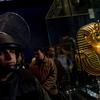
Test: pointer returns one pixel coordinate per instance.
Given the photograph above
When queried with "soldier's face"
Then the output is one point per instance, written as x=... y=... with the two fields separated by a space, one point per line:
x=39 y=55
x=8 y=57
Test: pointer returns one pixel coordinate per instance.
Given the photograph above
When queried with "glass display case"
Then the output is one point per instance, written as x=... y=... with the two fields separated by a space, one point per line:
x=64 y=20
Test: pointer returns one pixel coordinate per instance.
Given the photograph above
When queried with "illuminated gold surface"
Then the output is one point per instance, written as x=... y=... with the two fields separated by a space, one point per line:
x=88 y=48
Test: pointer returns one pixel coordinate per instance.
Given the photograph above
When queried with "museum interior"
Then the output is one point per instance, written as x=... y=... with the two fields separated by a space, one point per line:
x=70 y=23
x=73 y=25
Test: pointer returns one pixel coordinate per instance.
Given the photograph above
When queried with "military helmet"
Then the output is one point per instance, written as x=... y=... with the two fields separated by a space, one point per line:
x=7 y=41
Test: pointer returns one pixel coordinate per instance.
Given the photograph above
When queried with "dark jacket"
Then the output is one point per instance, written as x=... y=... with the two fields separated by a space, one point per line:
x=22 y=85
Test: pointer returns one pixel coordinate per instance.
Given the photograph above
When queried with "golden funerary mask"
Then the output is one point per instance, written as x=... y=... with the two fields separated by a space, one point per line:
x=88 y=48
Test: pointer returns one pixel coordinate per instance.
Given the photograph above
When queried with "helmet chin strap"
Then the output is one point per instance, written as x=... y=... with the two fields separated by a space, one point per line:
x=5 y=70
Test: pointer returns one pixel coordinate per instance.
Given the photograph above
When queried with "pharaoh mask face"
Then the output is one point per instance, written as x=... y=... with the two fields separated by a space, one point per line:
x=94 y=37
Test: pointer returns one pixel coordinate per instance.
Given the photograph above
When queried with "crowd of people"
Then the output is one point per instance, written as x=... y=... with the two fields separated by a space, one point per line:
x=52 y=68
x=41 y=79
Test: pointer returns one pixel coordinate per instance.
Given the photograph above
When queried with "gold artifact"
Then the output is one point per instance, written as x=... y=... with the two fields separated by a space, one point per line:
x=88 y=48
